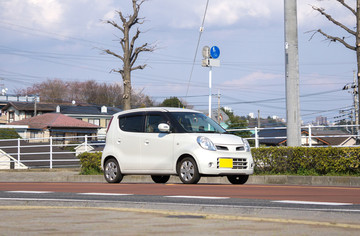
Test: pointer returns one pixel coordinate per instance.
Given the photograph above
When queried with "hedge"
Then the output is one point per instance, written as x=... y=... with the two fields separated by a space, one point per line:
x=8 y=133
x=90 y=163
x=278 y=160
x=307 y=161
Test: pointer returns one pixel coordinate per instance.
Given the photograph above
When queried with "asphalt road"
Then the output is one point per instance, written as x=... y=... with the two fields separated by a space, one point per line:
x=177 y=209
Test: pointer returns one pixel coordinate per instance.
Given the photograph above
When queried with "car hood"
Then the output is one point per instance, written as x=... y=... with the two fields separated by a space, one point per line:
x=224 y=139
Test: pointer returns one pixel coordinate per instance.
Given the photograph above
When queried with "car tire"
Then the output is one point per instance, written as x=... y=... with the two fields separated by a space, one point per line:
x=112 y=171
x=238 y=179
x=188 y=171
x=160 y=179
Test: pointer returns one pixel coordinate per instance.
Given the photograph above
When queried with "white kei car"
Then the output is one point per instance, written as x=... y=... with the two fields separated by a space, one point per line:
x=172 y=141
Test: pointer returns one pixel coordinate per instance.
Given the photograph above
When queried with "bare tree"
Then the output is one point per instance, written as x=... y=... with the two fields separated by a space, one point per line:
x=91 y=92
x=130 y=52
x=354 y=32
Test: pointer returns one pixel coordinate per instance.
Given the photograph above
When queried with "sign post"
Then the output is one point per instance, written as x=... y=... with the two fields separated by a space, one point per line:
x=210 y=56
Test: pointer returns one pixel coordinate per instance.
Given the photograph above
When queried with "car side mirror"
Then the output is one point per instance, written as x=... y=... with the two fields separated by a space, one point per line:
x=164 y=128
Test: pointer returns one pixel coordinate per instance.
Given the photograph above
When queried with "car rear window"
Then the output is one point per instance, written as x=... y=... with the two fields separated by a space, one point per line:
x=132 y=123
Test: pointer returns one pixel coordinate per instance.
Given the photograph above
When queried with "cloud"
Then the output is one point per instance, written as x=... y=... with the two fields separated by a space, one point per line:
x=255 y=78
x=220 y=13
x=38 y=13
x=60 y=17
x=228 y=12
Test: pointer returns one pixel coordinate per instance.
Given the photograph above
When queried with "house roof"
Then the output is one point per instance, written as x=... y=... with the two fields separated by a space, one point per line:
x=272 y=133
x=54 y=120
x=329 y=140
x=64 y=109
x=88 y=110
x=29 y=106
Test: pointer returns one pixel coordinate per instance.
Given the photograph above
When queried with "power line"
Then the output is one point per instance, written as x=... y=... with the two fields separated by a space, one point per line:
x=197 y=46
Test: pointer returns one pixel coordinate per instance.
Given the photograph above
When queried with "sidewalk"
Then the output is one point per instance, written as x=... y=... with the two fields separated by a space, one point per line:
x=72 y=175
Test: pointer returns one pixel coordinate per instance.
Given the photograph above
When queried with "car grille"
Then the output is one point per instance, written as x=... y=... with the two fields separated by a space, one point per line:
x=225 y=148
x=238 y=163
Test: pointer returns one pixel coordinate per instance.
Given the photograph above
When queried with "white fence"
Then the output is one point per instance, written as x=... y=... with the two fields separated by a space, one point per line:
x=309 y=134
x=60 y=152
x=52 y=152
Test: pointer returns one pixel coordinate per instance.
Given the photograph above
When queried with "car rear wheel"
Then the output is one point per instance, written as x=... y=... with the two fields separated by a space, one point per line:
x=188 y=171
x=160 y=179
x=238 y=179
x=112 y=171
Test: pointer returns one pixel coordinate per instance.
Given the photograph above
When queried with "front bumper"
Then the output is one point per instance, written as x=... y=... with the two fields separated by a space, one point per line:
x=224 y=163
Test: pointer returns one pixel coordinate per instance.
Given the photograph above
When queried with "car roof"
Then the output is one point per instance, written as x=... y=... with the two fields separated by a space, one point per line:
x=161 y=109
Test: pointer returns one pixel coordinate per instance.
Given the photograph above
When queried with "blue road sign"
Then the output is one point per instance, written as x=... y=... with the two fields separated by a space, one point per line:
x=214 y=52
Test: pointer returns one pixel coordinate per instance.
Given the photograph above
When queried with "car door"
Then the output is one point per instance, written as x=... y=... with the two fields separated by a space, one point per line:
x=128 y=142
x=157 y=148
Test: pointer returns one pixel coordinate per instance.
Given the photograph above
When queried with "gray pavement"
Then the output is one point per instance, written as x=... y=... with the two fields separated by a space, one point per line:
x=72 y=175
x=47 y=220
x=89 y=218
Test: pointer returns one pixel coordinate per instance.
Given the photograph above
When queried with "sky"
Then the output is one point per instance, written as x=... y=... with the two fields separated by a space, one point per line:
x=64 y=39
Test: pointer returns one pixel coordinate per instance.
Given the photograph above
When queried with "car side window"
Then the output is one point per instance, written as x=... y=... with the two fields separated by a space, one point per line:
x=152 y=122
x=132 y=123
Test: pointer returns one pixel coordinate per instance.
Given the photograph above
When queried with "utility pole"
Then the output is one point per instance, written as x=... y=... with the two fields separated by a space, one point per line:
x=358 y=65
x=292 y=74
x=356 y=103
x=258 y=119
x=210 y=95
x=35 y=101
x=218 y=110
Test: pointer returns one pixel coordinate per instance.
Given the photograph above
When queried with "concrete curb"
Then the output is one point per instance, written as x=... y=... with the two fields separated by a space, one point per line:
x=72 y=175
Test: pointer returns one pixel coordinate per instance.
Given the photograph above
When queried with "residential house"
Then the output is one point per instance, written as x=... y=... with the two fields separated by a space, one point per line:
x=56 y=125
x=15 y=111
x=6 y=98
x=97 y=115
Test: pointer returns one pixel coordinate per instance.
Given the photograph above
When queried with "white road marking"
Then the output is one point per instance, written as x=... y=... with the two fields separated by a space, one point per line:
x=107 y=194
x=37 y=192
x=197 y=197
x=315 y=203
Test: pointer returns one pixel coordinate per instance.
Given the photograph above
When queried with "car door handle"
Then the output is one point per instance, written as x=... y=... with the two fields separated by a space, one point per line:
x=147 y=142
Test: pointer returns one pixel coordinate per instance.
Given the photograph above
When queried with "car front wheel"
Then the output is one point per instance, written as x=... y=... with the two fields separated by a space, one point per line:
x=188 y=171
x=112 y=171
x=238 y=179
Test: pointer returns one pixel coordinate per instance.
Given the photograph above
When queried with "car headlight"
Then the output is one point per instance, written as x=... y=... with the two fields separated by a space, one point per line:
x=206 y=143
x=246 y=145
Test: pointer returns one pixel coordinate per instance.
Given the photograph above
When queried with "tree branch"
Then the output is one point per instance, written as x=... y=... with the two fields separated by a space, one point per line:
x=141 y=67
x=113 y=23
x=143 y=48
x=114 y=54
x=133 y=41
x=329 y=17
x=334 y=39
x=134 y=18
x=347 y=6
x=118 y=71
x=122 y=18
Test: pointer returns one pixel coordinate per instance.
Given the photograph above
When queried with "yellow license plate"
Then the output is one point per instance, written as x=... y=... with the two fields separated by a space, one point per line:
x=226 y=163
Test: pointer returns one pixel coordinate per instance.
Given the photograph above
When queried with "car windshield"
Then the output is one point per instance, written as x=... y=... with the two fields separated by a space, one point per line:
x=194 y=122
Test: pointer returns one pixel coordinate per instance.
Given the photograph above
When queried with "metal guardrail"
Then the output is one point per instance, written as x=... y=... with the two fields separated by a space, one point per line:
x=49 y=152
x=309 y=128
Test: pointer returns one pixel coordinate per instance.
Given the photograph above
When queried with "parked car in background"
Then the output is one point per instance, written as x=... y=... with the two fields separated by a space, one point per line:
x=172 y=141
